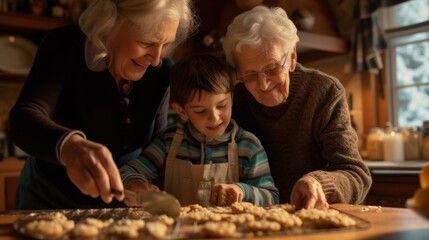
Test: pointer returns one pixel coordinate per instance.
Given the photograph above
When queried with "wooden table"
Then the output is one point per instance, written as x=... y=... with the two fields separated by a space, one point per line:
x=385 y=223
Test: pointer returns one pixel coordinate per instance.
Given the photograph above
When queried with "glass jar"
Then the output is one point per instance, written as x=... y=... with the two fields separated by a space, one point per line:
x=412 y=143
x=374 y=144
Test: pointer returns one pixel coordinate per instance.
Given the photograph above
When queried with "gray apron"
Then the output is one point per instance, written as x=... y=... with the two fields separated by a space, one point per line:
x=191 y=183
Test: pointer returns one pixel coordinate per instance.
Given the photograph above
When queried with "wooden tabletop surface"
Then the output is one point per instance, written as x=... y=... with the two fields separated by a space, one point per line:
x=377 y=223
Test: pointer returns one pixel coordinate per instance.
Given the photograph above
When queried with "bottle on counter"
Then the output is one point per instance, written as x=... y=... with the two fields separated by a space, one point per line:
x=413 y=138
x=2 y=145
x=393 y=145
x=425 y=144
x=374 y=144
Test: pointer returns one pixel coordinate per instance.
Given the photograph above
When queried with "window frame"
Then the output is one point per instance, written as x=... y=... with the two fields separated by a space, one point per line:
x=393 y=89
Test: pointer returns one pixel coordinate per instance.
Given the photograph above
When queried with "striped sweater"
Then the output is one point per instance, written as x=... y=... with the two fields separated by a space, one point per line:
x=254 y=172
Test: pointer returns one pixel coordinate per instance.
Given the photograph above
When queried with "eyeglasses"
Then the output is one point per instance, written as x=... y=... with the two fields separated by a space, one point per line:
x=271 y=71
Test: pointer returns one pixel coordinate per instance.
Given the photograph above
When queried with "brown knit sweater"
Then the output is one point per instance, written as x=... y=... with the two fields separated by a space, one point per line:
x=309 y=134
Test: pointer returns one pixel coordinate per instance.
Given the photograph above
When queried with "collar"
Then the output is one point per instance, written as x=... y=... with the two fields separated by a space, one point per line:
x=226 y=136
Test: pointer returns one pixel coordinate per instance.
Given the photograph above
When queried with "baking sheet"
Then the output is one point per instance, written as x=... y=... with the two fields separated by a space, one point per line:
x=181 y=229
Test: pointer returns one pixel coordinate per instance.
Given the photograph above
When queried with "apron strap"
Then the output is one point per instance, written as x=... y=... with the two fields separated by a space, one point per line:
x=233 y=154
x=175 y=145
x=177 y=140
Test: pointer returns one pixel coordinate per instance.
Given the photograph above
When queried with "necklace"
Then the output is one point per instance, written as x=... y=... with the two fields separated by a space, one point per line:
x=126 y=88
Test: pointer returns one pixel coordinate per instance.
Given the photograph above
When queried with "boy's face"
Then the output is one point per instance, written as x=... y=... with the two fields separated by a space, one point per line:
x=209 y=113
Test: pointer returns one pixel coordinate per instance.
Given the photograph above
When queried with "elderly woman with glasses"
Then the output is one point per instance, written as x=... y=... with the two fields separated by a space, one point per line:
x=299 y=114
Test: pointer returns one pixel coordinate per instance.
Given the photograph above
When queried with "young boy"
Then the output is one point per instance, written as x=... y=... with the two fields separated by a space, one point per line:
x=208 y=159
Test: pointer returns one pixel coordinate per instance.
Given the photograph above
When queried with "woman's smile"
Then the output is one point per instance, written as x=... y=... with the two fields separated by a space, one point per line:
x=138 y=64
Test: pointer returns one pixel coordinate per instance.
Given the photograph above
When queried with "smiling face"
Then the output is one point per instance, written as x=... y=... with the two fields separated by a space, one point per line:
x=131 y=54
x=270 y=90
x=209 y=113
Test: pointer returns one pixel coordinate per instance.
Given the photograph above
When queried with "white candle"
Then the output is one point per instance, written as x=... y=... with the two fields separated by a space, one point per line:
x=393 y=146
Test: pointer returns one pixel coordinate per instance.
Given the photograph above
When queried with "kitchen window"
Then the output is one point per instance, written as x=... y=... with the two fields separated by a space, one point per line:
x=407 y=33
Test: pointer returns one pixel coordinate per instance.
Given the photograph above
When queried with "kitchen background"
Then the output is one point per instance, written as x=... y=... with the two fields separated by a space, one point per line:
x=326 y=30
x=386 y=80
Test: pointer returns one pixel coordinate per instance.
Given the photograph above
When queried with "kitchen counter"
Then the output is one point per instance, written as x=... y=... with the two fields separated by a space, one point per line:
x=396 y=167
x=384 y=223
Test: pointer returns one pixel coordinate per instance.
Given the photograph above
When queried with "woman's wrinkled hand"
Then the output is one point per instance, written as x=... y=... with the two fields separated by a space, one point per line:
x=91 y=168
x=308 y=193
x=137 y=186
x=223 y=194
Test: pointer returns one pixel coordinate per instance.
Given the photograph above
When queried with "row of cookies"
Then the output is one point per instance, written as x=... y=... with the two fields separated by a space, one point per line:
x=246 y=219
x=57 y=225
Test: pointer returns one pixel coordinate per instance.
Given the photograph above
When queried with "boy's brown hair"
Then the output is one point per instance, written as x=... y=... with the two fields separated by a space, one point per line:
x=197 y=73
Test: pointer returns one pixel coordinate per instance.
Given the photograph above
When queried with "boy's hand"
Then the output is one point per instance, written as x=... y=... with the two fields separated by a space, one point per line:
x=223 y=194
x=137 y=186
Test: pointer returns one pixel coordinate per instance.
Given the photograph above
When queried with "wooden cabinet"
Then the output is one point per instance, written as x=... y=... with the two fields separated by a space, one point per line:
x=393 y=183
x=10 y=169
x=392 y=188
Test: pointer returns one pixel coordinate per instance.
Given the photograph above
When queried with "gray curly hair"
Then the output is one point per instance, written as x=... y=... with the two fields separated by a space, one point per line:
x=102 y=18
x=260 y=27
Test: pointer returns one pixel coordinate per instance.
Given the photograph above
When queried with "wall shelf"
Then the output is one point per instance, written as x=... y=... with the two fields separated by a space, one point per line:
x=12 y=78
x=13 y=20
x=314 y=46
x=314 y=41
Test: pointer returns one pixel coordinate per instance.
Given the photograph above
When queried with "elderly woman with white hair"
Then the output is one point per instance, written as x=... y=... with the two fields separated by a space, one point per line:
x=299 y=114
x=96 y=94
